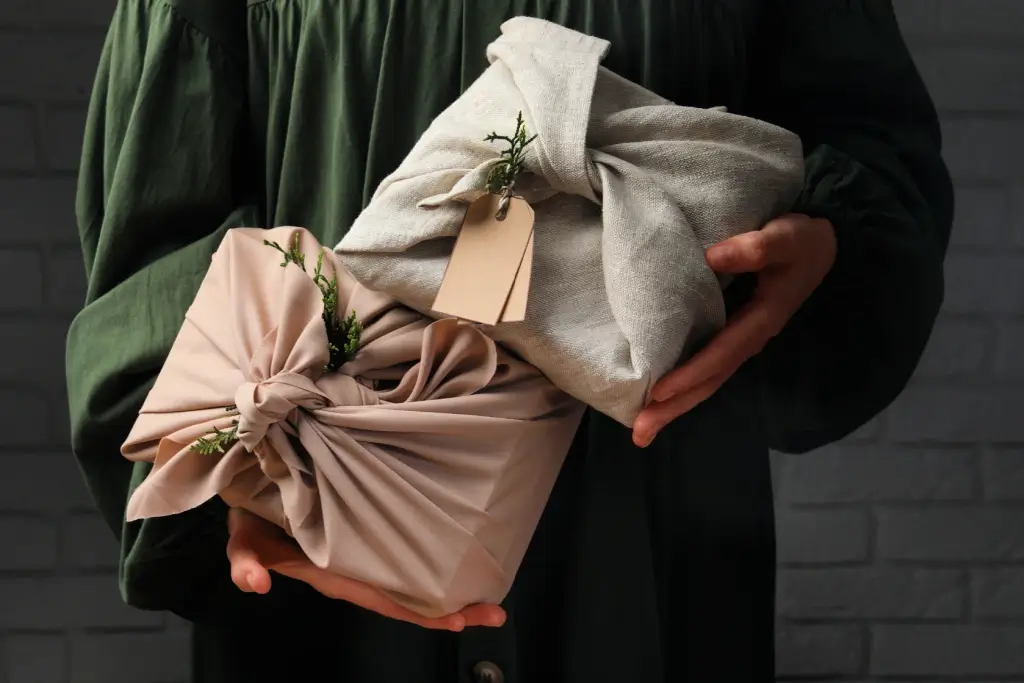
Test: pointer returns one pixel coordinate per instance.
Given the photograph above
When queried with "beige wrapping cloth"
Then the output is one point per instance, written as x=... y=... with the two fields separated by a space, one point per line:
x=428 y=486
x=628 y=190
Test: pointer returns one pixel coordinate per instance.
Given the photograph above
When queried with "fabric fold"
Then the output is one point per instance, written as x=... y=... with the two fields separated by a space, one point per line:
x=420 y=465
x=628 y=191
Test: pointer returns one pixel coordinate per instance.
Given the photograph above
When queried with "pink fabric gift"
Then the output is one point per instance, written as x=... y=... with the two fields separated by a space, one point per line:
x=420 y=466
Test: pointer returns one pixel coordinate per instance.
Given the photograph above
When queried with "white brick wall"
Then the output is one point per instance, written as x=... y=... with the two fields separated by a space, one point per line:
x=902 y=550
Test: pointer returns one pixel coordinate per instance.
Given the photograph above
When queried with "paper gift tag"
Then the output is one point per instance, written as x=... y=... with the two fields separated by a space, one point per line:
x=488 y=274
x=515 y=307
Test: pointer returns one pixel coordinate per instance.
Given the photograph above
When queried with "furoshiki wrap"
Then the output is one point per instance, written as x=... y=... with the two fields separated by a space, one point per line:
x=420 y=465
x=628 y=191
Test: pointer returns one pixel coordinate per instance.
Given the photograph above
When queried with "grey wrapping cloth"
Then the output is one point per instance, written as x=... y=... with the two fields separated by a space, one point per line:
x=628 y=191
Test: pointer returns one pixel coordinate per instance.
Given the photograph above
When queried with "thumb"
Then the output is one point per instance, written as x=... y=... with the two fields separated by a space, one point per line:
x=247 y=572
x=751 y=252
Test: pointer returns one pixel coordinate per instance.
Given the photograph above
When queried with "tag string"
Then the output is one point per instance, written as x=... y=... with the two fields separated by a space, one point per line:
x=503 y=204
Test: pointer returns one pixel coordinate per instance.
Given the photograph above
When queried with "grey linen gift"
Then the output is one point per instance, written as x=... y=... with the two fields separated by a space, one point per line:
x=628 y=190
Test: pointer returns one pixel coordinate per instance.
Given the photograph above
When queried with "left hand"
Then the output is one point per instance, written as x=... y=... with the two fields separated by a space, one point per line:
x=791 y=256
x=256 y=548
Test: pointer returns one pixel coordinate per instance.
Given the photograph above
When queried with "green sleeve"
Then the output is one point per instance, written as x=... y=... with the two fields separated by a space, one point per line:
x=839 y=74
x=159 y=183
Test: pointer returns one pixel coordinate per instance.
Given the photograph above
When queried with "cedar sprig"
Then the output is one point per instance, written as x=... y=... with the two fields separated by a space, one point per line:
x=220 y=440
x=503 y=175
x=342 y=335
x=293 y=255
x=346 y=333
x=342 y=338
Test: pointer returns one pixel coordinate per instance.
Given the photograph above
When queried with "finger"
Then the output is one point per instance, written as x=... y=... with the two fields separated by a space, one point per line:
x=370 y=598
x=270 y=544
x=745 y=335
x=366 y=596
x=247 y=572
x=484 y=615
x=751 y=252
x=236 y=518
x=383 y=605
x=654 y=417
x=451 y=622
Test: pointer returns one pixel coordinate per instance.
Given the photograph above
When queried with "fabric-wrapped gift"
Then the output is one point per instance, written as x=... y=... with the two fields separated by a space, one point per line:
x=412 y=454
x=628 y=191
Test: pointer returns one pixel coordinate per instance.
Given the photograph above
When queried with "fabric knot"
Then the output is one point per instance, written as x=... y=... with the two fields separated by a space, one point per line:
x=274 y=400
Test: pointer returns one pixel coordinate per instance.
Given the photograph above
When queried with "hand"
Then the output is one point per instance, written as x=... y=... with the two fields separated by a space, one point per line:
x=257 y=547
x=791 y=256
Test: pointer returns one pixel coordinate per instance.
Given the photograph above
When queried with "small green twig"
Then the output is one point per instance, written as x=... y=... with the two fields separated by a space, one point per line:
x=218 y=442
x=342 y=338
x=342 y=335
x=293 y=255
x=503 y=175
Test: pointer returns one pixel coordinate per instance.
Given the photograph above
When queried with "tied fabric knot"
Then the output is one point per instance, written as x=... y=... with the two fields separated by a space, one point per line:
x=272 y=401
x=555 y=72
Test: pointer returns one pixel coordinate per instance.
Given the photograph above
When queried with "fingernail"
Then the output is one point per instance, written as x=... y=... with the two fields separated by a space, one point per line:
x=643 y=440
x=496 y=620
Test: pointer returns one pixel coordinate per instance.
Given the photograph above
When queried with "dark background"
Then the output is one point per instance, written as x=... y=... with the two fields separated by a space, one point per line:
x=902 y=549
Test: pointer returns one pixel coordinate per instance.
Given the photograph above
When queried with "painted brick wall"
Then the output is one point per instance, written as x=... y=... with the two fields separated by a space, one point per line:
x=902 y=549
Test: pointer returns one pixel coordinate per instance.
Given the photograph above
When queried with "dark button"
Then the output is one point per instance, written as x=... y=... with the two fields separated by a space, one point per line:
x=488 y=672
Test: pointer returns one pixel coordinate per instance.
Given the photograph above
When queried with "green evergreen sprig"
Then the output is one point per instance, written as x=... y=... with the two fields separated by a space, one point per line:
x=342 y=338
x=503 y=175
x=342 y=335
x=220 y=441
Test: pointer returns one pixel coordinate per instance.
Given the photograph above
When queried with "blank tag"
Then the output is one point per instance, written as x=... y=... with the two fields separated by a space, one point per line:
x=515 y=307
x=488 y=274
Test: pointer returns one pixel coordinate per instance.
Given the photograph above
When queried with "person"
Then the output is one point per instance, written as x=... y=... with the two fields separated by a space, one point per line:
x=655 y=558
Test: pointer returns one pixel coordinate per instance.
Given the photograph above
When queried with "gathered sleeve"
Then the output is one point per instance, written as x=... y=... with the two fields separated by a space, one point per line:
x=838 y=73
x=160 y=182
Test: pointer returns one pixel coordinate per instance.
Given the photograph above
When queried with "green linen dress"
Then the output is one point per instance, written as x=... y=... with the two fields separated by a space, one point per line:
x=654 y=565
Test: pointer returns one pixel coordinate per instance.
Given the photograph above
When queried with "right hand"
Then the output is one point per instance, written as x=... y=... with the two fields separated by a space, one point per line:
x=257 y=547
